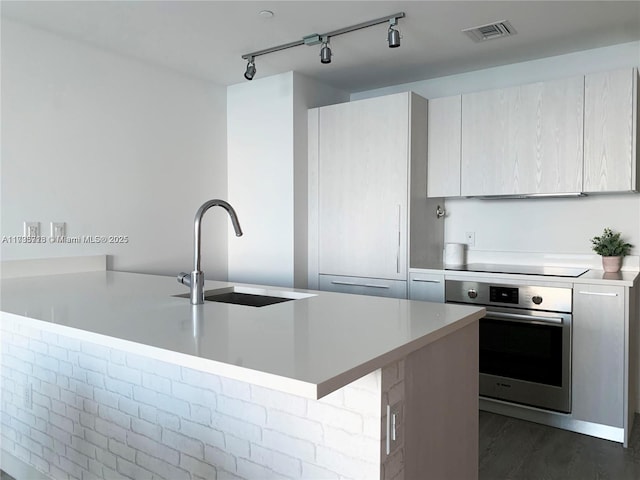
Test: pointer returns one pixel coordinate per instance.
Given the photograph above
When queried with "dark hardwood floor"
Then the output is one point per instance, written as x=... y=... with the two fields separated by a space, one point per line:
x=512 y=449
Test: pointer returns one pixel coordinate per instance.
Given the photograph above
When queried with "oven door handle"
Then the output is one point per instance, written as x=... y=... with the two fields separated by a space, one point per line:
x=518 y=317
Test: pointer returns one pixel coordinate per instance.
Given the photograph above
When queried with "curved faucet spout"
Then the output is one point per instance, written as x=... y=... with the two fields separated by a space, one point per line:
x=197 y=228
x=195 y=280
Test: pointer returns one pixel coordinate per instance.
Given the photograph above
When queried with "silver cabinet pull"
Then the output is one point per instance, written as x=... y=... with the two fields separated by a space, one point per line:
x=523 y=318
x=424 y=280
x=399 y=235
x=599 y=294
x=353 y=284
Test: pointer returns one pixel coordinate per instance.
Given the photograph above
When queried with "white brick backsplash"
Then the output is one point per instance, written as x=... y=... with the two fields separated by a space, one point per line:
x=151 y=447
x=193 y=394
x=249 y=469
x=238 y=447
x=349 y=467
x=148 y=429
x=125 y=374
x=275 y=400
x=94 y=364
x=220 y=458
x=304 y=449
x=114 y=416
x=334 y=416
x=101 y=413
x=161 y=467
x=249 y=412
x=201 y=414
x=111 y=430
x=276 y=461
x=197 y=467
x=184 y=444
x=122 y=450
x=207 y=435
x=235 y=388
x=313 y=472
x=94 y=350
x=156 y=382
x=202 y=379
x=295 y=426
x=133 y=471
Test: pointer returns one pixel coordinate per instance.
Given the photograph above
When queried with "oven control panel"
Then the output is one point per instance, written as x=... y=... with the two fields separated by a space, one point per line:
x=530 y=297
x=503 y=294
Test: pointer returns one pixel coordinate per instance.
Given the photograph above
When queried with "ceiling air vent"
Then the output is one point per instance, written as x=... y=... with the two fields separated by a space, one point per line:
x=490 y=31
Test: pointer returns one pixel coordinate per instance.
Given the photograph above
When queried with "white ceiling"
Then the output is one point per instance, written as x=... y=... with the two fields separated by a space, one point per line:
x=207 y=38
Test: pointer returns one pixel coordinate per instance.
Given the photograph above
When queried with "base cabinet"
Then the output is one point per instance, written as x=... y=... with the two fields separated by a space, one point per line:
x=427 y=287
x=600 y=359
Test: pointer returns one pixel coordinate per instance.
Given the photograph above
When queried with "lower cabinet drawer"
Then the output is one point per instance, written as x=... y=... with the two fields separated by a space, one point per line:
x=364 y=286
x=428 y=287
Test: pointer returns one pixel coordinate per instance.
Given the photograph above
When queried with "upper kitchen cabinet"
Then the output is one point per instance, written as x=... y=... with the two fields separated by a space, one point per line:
x=444 y=123
x=610 y=131
x=367 y=183
x=523 y=140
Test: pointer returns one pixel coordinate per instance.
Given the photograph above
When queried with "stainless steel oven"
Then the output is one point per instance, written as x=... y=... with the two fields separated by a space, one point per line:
x=525 y=341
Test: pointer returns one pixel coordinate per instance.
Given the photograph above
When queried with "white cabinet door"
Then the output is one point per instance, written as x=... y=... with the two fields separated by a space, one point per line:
x=598 y=362
x=363 y=151
x=444 y=146
x=428 y=287
x=610 y=131
x=523 y=140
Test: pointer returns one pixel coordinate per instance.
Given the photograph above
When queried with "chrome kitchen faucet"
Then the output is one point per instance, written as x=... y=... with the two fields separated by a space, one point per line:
x=195 y=280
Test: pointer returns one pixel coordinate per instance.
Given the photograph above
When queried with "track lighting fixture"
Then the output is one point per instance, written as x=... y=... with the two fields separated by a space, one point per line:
x=251 y=69
x=393 y=38
x=325 y=52
x=393 y=35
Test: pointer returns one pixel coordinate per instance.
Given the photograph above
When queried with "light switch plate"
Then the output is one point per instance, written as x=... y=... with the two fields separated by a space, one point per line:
x=58 y=229
x=31 y=229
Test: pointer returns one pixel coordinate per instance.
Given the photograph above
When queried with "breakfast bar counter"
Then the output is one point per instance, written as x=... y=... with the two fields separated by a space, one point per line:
x=136 y=379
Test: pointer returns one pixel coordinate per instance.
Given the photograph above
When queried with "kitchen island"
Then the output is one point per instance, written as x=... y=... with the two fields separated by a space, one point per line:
x=110 y=375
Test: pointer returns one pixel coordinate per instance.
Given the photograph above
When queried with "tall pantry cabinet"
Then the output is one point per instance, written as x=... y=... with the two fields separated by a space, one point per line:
x=367 y=195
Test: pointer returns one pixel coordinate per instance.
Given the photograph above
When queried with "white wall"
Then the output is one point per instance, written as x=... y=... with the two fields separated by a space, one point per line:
x=267 y=156
x=540 y=225
x=111 y=146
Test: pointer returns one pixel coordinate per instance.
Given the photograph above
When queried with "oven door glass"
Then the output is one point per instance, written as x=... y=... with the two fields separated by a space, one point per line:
x=522 y=351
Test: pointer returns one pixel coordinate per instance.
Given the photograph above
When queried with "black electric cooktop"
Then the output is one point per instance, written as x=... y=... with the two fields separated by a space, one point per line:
x=572 y=272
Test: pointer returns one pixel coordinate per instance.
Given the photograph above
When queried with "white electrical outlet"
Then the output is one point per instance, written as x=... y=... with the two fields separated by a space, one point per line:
x=58 y=229
x=470 y=238
x=31 y=229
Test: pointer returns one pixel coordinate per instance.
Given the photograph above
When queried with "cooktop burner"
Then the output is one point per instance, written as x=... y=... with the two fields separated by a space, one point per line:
x=519 y=269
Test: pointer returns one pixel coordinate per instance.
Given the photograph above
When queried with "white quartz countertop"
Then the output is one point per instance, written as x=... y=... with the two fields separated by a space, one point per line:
x=310 y=346
x=593 y=277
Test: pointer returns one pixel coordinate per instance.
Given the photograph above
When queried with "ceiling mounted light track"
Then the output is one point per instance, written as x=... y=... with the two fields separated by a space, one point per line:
x=393 y=38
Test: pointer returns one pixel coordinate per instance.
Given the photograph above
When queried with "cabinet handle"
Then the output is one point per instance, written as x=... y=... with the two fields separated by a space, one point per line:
x=353 y=284
x=424 y=280
x=599 y=294
x=398 y=250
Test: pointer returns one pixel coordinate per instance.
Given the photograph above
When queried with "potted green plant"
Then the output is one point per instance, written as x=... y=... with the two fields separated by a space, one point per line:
x=612 y=248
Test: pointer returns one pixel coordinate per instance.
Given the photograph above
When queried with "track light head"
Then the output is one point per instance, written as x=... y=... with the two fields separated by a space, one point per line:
x=251 y=69
x=393 y=37
x=325 y=52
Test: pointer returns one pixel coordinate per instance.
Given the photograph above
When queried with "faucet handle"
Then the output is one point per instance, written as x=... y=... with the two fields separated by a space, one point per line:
x=184 y=278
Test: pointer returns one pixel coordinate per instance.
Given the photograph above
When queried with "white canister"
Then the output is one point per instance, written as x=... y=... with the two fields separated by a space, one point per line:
x=454 y=254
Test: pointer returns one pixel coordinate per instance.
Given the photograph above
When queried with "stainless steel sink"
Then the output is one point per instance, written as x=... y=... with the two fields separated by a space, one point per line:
x=250 y=296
